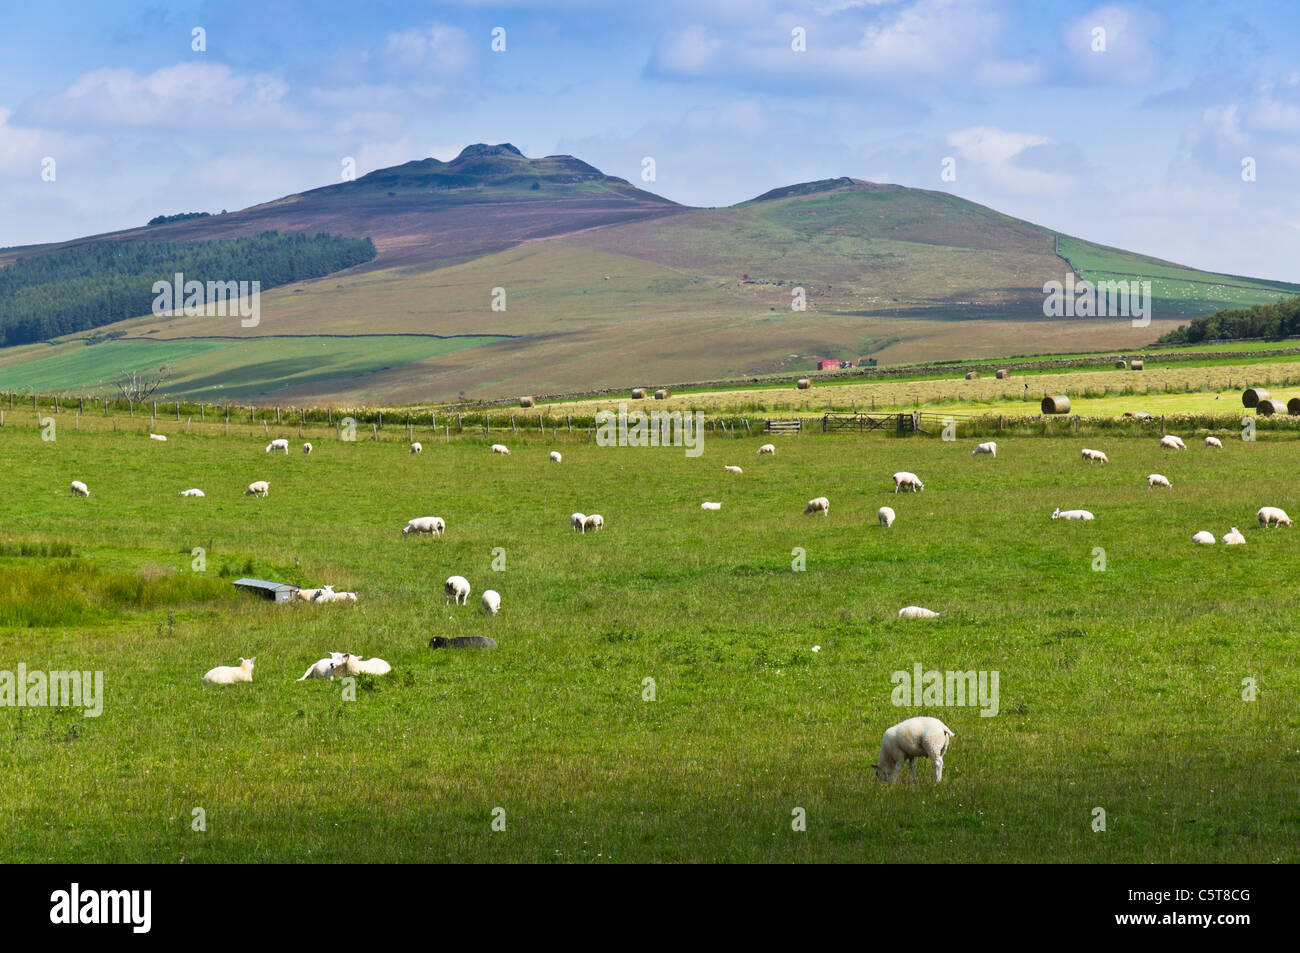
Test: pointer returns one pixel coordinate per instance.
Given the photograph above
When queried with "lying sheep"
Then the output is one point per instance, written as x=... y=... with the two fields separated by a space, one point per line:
x=1214 y=442
x=919 y=737
x=1155 y=479
x=818 y=504
x=324 y=668
x=79 y=489
x=594 y=521
x=1060 y=514
x=279 y=443
x=230 y=674
x=579 y=522
x=491 y=602
x=345 y=597
x=355 y=665
x=990 y=448
x=417 y=447
x=910 y=480
x=462 y=642
x=710 y=506
x=1205 y=537
x=732 y=470
x=885 y=516
x=767 y=448
x=457 y=587
x=259 y=488
x=500 y=448
x=1233 y=538
x=1268 y=515
x=193 y=491
x=306 y=448
x=1094 y=456
x=425 y=524
x=555 y=456
x=1170 y=442
x=916 y=612
x=158 y=436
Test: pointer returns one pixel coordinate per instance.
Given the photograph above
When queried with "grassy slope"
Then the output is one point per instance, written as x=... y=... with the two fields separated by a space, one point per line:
x=1113 y=695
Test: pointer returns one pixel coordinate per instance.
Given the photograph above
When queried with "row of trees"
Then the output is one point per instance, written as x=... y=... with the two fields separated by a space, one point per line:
x=1267 y=321
x=179 y=217
x=62 y=292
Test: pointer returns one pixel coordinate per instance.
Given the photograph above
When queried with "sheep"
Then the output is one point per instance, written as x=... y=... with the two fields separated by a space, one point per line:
x=324 y=594
x=916 y=612
x=1213 y=442
x=230 y=674
x=491 y=602
x=1204 y=536
x=425 y=524
x=732 y=470
x=594 y=521
x=462 y=642
x=279 y=443
x=920 y=737
x=324 y=668
x=990 y=448
x=355 y=665
x=79 y=489
x=1155 y=479
x=1268 y=515
x=457 y=587
x=885 y=516
x=910 y=480
x=193 y=491
x=306 y=448
x=158 y=436
x=308 y=595
x=579 y=522
x=1233 y=538
x=767 y=448
x=556 y=456
x=818 y=505
x=345 y=597
x=417 y=447
x=1060 y=514
x=258 y=488
x=1094 y=456
x=1170 y=442
x=710 y=506
x=500 y=448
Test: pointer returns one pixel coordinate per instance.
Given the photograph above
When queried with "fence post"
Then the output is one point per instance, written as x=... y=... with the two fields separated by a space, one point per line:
x=374 y=432
x=448 y=435
x=188 y=421
x=277 y=416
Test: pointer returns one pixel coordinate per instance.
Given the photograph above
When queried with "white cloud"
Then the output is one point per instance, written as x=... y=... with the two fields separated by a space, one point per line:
x=686 y=52
x=1113 y=44
x=443 y=50
x=994 y=153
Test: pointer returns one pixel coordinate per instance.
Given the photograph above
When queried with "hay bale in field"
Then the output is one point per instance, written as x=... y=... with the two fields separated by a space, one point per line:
x=661 y=393
x=1003 y=374
x=1121 y=365
x=803 y=383
x=1056 y=404
x=1270 y=406
x=1135 y=365
x=638 y=393
x=1293 y=406
x=1251 y=396
x=525 y=402
x=972 y=375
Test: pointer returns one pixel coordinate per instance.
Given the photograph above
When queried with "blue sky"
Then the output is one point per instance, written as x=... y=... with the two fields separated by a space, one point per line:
x=1139 y=144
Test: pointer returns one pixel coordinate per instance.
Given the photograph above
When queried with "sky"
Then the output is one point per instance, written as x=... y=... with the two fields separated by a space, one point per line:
x=1171 y=129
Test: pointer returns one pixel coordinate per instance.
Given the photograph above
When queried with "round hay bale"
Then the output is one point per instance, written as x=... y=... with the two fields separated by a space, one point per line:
x=661 y=393
x=804 y=383
x=1253 y=395
x=1121 y=365
x=1057 y=404
x=638 y=393
x=1135 y=365
x=1270 y=406
x=1293 y=406
x=525 y=402
x=972 y=375
x=1003 y=374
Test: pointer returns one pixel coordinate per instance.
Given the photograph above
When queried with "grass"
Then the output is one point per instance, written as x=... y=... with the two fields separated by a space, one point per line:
x=1120 y=689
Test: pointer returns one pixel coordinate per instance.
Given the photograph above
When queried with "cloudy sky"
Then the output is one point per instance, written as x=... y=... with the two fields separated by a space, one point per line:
x=1125 y=123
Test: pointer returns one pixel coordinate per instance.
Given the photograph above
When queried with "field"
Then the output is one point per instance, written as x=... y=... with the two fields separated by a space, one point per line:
x=1120 y=689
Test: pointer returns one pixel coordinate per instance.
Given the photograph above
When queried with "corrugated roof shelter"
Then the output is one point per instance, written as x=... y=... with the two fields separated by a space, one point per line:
x=276 y=591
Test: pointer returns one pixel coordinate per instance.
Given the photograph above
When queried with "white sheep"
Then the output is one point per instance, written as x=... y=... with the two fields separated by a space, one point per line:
x=306 y=448
x=556 y=457
x=1272 y=515
x=767 y=448
x=920 y=737
x=594 y=521
x=910 y=480
x=308 y=595
x=885 y=516
x=355 y=665
x=1205 y=537
x=818 y=504
x=193 y=491
x=230 y=674
x=579 y=522
x=279 y=443
x=491 y=602
x=1233 y=538
x=1214 y=442
x=916 y=612
x=1060 y=514
x=1155 y=479
x=457 y=587
x=425 y=524
x=732 y=470
x=1094 y=456
x=158 y=436
x=324 y=594
x=79 y=489
x=417 y=447
x=258 y=488
x=500 y=448
x=710 y=506
x=1170 y=442
x=990 y=448
x=324 y=668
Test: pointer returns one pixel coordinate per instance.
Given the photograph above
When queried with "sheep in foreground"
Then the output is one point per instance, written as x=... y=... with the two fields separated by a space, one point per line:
x=732 y=470
x=594 y=521
x=556 y=457
x=457 y=587
x=916 y=612
x=323 y=594
x=279 y=443
x=500 y=448
x=258 y=488
x=1094 y=456
x=990 y=448
x=1155 y=479
x=491 y=602
x=767 y=448
x=306 y=448
x=425 y=524
x=920 y=737
x=1205 y=537
x=1170 y=442
x=230 y=674
x=1060 y=514
x=79 y=489
x=1270 y=515
x=462 y=642
x=885 y=516
x=324 y=668
x=417 y=447
x=710 y=506
x=910 y=480
x=355 y=665
x=579 y=522
x=818 y=504
x=1214 y=442
x=193 y=491
x=158 y=436
x=1234 y=538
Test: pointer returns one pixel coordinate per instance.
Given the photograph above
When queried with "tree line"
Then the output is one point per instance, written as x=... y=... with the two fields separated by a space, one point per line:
x=1267 y=321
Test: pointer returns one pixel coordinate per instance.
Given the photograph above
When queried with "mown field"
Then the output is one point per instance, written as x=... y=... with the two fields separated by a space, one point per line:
x=1120 y=689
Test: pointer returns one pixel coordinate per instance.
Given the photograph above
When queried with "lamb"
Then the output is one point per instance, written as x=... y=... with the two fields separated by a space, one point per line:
x=500 y=448
x=818 y=505
x=710 y=506
x=556 y=457
x=1170 y=442
x=594 y=521
x=920 y=737
x=1155 y=479
x=1233 y=538
x=579 y=522
x=306 y=448
x=767 y=448
x=910 y=480
x=193 y=491
x=355 y=665
x=1268 y=515
x=990 y=448
x=885 y=516
x=425 y=524
x=324 y=668
x=158 y=436
x=462 y=642
x=230 y=674
x=280 y=443
x=732 y=470
x=1204 y=536
x=1095 y=456
x=259 y=488
x=79 y=489
x=491 y=602
x=916 y=612
x=1213 y=442
x=417 y=447
x=457 y=587
x=1060 y=514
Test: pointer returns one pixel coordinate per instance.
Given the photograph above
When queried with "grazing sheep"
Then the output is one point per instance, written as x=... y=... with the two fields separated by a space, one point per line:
x=193 y=491
x=594 y=521
x=425 y=524
x=79 y=489
x=306 y=448
x=1095 y=456
x=158 y=436
x=1214 y=442
x=916 y=612
x=818 y=505
x=230 y=674
x=910 y=480
x=732 y=470
x=491 y=602
x=1155 y=479
x=710 y=506
x=500 y=448
x=324 y=668
x=990 y=448
x=767 y=448
x=1272 y=515
x=345 y=597
x=308 y=595
x=280 y=443
x=324 y=594
x=457 y=587
x=579 y=522
x=1204 y=536
x=355 y=665
x=462 y=642
x=1233 y=538
x=417 y=447
x=259 y=488
x=1060 y=514
x=1170 y=442
x=920 y=737
x=556 y=457
x=885 y=516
